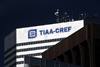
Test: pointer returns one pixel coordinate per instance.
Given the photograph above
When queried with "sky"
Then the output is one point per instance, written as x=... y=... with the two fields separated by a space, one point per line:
x=24 y=13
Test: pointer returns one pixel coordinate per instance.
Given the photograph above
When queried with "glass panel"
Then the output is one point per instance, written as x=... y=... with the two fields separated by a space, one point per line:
x=56 y=64
x=34 y=66
x=49 y=63
x=27 y=60
x=35 y=61
x=43 y=62
x=63 y=65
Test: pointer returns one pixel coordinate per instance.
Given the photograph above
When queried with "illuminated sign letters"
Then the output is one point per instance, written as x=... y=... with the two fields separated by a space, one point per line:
x=33 y=32
x=57 y=30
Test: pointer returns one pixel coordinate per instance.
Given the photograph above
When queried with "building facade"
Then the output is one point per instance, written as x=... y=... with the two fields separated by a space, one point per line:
x=39 y=62
x=32 y=41
x=81 y=48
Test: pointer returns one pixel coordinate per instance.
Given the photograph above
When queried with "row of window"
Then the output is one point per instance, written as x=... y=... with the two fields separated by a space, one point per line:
x=10 y=49
x=21 y=62
x=37 y=42
x=36 y=54
x=45 y=63
x=35 y=48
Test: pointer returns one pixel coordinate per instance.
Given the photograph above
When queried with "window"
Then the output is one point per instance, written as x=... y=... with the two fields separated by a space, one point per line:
x=36 y=42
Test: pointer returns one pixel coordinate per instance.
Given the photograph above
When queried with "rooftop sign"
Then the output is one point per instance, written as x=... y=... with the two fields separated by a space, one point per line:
x=50 y=31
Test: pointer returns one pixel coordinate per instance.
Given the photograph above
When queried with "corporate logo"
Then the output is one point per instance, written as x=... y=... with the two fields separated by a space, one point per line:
x=32 y=33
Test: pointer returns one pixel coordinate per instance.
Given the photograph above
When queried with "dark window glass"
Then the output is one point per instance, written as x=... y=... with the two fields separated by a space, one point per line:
x=45 y=41
x=49 y=63
x=43 y=66
x=35 y=61
x=34 y=66
x=43 y=62
x=56 y=64
x=63 y=65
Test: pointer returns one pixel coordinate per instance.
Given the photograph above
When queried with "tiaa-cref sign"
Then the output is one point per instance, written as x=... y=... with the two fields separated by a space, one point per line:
x=32 y=33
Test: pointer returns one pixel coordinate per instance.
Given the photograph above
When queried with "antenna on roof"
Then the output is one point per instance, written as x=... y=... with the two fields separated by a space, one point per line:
x=66 y=16
x=57 y=14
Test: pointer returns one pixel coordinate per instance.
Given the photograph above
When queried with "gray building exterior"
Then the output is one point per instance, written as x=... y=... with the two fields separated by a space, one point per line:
x=10 y=50
x=38 y=62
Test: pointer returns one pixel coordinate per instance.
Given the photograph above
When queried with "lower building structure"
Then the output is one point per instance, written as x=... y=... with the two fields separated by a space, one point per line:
x=81 y=48
x=39 y=62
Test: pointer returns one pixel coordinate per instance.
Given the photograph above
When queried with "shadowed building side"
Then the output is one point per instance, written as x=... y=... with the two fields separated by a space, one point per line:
x=81 y=48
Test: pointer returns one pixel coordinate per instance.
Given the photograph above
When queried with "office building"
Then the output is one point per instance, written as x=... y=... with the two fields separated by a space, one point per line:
x=32 y=41
x=81 y=48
